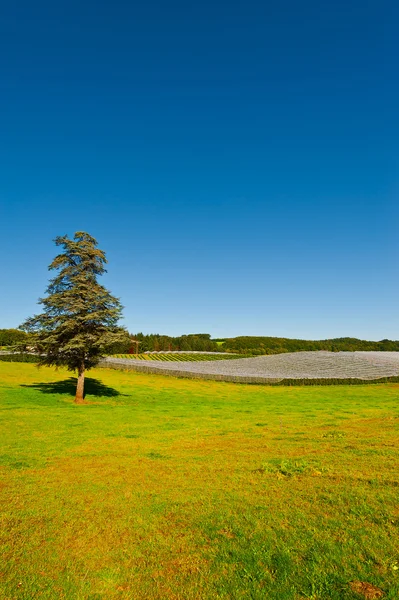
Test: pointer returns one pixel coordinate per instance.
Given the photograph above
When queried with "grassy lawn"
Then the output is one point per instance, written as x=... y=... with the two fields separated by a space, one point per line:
x=160 y=488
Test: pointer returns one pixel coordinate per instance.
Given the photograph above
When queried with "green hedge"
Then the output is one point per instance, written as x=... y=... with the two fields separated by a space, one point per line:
x=27 y=358
x=352 y=381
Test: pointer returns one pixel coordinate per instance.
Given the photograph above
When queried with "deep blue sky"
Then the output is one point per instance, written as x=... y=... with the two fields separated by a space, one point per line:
x=237 y=161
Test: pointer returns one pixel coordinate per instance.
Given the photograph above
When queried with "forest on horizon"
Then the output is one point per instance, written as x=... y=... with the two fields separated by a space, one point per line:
x=250 y=345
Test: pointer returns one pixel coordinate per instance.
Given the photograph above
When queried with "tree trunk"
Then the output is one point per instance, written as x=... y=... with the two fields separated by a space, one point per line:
x=79 y=398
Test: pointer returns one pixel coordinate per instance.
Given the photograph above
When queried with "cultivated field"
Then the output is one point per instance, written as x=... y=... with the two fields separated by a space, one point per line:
x=295 y=365
x=179 y=356
x=171 y=489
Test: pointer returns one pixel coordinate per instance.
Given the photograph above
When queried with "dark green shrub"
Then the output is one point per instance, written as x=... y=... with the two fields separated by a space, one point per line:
x=19 y=357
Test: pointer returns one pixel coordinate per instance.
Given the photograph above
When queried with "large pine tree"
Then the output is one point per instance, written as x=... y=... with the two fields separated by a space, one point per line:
x=80 y=317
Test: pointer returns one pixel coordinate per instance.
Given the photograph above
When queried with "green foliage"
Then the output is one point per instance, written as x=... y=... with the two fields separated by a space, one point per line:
x=256 y=345
x=9 y=337
x=79 y=322
x=19 y=357
x=124 y=346
x=198 y=342
x=336 y=381
x=248 y=345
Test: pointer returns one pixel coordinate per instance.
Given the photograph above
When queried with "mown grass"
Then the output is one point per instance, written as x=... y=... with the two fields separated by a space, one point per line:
x=163 y=488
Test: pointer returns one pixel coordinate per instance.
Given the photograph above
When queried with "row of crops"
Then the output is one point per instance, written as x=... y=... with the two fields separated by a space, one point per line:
x=24 y=357
x=179 y=357
x=321 y=366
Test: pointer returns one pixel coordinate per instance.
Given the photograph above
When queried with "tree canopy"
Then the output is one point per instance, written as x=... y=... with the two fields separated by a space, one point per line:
x=80 y=317
x=274 y=345
x=9 y=337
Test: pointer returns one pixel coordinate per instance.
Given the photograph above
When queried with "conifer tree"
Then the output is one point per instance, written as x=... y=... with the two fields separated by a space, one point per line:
x=80 y=317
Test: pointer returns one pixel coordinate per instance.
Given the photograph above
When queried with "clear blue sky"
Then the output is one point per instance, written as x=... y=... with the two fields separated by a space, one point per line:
x=237 y=161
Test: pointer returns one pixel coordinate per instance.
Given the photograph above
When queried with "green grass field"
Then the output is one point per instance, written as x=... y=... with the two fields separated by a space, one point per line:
x=163 y=488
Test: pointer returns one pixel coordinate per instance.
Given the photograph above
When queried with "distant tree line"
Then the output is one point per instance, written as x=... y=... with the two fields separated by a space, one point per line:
x=156 y=342
x=202 y=342
x=9 y=337
x=194 y=341
x=251 y=345
x=273 y=345
x=148 y=342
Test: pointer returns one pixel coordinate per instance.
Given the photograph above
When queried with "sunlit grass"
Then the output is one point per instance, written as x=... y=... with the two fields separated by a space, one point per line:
x=165 y=488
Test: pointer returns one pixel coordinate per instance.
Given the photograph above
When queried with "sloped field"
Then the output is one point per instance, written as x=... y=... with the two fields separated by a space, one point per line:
x=365 y=366
x=179 y=356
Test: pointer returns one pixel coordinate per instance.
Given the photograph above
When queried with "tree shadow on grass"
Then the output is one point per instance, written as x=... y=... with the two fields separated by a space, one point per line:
x=93 y=387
